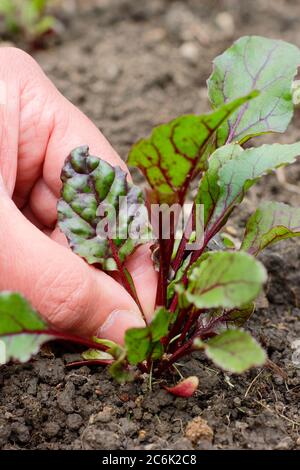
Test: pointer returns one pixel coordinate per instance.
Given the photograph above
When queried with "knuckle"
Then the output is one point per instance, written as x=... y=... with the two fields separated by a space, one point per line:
x=16 y=57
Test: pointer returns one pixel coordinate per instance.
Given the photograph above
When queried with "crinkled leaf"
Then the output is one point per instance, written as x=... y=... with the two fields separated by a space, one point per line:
x=255 y=63
x=224 y=279
x=232 y=171
x=91 y=213
x=270 y=223
x=174 y=152
x=21 y=328
x=160 y=324
x=185 y=388
x=235 y=351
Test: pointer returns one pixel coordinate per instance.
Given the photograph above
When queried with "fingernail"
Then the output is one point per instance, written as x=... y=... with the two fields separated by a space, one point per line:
x=117 y=323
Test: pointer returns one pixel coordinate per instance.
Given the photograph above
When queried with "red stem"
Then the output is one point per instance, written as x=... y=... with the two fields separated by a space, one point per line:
x=187 y=347
x=57 y=335
x=193 y=317
x=123 y=276
x=165 y=250
x=91 y=362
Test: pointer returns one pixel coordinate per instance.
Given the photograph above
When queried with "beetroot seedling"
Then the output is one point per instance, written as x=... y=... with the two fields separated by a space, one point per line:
x=206 y=288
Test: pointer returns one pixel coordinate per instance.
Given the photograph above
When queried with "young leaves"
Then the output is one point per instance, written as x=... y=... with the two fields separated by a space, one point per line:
x=174 y=152
x=224 y=279
x=232 y=171
x=255 y=63
x=270 y=223
x=142 y=343
x=21 y=329
x=235 y=351
x=100 y=226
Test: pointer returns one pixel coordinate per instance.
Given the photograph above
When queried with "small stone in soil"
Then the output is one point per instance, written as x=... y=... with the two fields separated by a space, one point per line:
x=104 y=416
x=74 y=421
x=65 y=398
x=285 y=444
x=190 y=52
x=96 y=439
x=21 y=432
x=51 y=429
x=198 y=430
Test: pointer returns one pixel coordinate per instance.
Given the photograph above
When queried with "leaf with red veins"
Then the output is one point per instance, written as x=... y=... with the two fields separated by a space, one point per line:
x=175 y=152
x=232 y=171
x=99 y=209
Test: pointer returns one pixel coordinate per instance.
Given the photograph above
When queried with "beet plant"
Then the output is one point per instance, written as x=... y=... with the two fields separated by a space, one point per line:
x=207 y=286
x=28 y=18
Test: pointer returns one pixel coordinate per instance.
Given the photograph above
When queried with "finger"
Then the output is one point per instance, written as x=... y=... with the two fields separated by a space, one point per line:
x=145 y=278
x=68 y=293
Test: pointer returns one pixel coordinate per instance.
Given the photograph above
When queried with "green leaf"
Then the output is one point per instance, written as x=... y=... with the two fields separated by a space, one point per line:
x=160 y=324
x=113 y=348
x=44 y=25
x=96 y=354
x=270 y=223
x=232 y=171
x=20 y=328
x=142 y=343
x=224 y=279
x=175 y=151
x=138 y=344
x=255 y=63
x=91 y=203
x=235 y=351
x=157 y=351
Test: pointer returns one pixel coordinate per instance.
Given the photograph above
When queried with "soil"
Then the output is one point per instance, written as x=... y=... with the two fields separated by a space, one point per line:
x=130 y=65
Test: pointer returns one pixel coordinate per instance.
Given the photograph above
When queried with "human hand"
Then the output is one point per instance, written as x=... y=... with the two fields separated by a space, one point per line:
x=39 y=128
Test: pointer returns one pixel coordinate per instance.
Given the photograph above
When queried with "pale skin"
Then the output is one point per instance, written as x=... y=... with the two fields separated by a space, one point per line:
x=38 y=129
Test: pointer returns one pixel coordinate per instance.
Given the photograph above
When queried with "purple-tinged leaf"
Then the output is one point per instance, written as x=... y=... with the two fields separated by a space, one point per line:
x=99 y=210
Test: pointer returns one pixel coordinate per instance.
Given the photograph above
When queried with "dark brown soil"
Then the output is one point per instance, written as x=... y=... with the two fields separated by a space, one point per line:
x=130 y=65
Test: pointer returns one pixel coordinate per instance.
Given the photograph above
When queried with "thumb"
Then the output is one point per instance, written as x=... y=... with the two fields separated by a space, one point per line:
x=67 y=292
